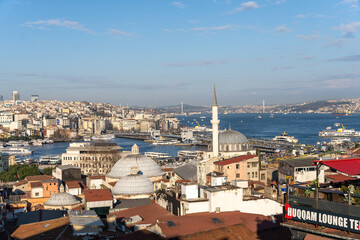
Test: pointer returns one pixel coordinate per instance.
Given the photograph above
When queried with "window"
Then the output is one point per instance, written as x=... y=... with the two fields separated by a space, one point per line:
x=248 y=175
x=256 y=174
x=50 y=193
x=238 y=175
x=37 y=194
x=237 y=166
x=263 y=176
x=248 y=165
x=252 y=174
x=254 y=164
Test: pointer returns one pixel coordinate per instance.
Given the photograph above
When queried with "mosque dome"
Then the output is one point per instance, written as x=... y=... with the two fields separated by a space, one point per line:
x=62 y=199
x=133 y=184
x=147 y=166
x=232 y=137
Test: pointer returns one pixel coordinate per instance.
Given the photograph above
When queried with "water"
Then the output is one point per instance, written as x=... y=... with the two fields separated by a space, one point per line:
x=304 y=127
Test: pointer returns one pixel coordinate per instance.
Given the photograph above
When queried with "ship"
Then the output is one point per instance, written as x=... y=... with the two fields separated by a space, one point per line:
x=340 y=132
x=338 y=112
x=157 y=155
x=165 y=142
x=51 y=160
x=103 y=137
x=16 y=151
x=284 y=137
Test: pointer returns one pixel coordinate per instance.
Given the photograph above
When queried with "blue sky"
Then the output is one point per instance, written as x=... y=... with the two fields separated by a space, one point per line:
x=155 y=53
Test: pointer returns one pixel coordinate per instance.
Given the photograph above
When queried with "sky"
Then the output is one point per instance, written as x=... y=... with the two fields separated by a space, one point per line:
x=158 y=53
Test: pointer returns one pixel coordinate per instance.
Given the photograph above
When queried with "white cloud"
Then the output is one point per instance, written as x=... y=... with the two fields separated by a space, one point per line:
x=197 y=63
x=43 y=24
x=121 y=33
x=178 y=4
x=216 y=28
x=354 y=4
x=312 y=37
x=282 y=29
x=280 y=2
x=251 y=5
x=203 y=29
x=349 y=29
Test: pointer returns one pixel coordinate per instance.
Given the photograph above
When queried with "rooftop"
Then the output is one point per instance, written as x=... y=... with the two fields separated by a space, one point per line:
x=95 y=195
x=36 y=185
x=300 y=162
x=340 y=178
x=234 y=160
x=149 y=213
x=32 y=230
x=38 y=178
x=189 y=224
x=349 y=166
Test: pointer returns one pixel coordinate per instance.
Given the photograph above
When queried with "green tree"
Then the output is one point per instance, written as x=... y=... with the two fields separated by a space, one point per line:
x=48 y=171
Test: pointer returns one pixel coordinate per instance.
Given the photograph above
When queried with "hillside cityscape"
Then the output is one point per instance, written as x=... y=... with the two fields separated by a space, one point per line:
x=179 y=120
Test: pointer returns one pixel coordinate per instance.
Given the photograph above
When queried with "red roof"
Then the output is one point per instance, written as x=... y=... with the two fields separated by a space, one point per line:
x=149 y=213
x=348 y=166
x=340 y=178
x=98 y=177
x=234 y=160
x=36 y=185
x=189 y=224
x=95 y=195
x=38 y=178
x=73 y=184
x=20 y=183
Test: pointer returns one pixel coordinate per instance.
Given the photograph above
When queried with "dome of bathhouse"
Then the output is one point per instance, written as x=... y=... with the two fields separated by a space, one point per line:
x=233 y=141
x=61 y=199
x=133 y=184
x=148 y=167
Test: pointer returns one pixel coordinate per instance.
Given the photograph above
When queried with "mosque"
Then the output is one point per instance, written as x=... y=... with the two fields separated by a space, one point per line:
x=225 y=144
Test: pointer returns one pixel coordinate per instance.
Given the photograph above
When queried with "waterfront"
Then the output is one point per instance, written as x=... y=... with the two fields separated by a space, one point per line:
x=304 y=127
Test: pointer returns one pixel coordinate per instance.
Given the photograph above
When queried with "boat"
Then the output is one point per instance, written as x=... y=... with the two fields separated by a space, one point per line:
x=337 y=141
x=103 y=137
x=186 y=154
x=50 y=160
x=16 y=151
x=157 y=155
x=338 y=112
x=259 y=116
x=340 y=132
x=284 y=137
x=165 y=142
x=17 y=144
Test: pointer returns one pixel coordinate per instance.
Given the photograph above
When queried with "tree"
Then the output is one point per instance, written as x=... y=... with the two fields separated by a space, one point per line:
x=48 y=171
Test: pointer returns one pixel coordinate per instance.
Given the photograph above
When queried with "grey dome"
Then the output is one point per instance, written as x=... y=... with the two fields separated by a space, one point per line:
x=132 y=185
x=62 y=199
x=147 y=166
x=232 y=137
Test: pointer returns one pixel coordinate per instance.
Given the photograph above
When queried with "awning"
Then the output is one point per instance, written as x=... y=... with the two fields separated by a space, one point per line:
x=349 y=166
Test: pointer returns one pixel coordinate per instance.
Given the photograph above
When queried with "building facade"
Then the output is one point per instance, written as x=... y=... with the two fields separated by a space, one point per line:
x=96 y=159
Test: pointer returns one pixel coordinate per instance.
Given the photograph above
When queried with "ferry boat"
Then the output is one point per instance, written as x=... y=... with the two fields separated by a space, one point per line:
x=103 y=137
x=165 y=142
x=338 y=112
x=16 y=151
x=186 y=154
x=340 y=132
x=157 y=155
x=17 y=144
x=51 y=160
x=284 y=137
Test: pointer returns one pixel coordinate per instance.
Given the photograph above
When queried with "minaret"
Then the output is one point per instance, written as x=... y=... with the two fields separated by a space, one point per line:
x=215 y=126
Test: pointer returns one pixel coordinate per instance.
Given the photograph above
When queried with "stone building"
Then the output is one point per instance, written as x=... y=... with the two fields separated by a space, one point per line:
x=95 y=159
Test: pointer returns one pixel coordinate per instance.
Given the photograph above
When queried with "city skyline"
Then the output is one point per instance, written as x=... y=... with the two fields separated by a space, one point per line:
x=152 y=53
